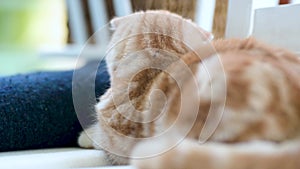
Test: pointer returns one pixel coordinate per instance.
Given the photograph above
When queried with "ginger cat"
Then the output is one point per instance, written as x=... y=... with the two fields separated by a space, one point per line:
x=163 y=92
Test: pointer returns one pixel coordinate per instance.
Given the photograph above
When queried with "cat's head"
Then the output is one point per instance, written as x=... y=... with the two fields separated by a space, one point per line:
x=162 y=19
x=158 y=30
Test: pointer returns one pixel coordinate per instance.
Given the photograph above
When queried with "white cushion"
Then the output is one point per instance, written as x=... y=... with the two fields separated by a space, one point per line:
x=55 y=158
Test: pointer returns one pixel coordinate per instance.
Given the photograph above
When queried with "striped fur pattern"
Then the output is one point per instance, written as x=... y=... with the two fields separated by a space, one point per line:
x=260 y=126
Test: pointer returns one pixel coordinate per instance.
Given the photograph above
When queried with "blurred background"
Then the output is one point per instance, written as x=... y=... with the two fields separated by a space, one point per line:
x=26 y=26
x=38 y=35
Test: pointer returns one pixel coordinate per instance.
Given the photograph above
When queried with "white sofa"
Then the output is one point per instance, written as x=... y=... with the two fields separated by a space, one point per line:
x=55 y=158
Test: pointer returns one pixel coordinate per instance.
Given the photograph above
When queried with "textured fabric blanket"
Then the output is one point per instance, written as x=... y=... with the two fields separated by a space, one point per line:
x=36 y=110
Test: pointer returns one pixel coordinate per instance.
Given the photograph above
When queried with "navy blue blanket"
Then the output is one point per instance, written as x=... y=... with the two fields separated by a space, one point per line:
x=36 y=110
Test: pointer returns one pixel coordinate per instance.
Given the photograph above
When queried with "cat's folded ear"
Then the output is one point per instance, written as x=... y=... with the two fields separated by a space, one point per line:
x=208 y=35
x=116 y=21
x=113 y=24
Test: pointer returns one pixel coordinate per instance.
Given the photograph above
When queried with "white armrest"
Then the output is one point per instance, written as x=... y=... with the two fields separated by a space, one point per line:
x=52 y=158
x=279 y=26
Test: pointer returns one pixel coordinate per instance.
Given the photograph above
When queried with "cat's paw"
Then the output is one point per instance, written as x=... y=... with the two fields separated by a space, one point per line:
x=84 y=140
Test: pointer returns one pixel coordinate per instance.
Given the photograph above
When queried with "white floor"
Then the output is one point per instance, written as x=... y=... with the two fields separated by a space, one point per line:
x=55 y=158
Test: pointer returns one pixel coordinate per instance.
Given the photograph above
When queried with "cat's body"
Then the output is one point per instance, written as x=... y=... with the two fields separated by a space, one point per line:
x=261 y=113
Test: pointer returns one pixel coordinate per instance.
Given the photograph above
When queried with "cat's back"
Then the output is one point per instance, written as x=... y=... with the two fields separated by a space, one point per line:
x=263 y=86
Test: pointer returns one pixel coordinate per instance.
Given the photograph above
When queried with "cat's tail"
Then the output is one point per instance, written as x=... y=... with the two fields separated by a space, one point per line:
x=251 y=155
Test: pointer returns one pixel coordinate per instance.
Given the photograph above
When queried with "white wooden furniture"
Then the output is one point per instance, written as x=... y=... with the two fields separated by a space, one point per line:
x=279 y=26
x=265 y=20
x=79 y=30
x=244 y=18
x=98 y=14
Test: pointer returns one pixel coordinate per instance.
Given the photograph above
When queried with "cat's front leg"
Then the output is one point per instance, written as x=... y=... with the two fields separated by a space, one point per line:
x=92 y=138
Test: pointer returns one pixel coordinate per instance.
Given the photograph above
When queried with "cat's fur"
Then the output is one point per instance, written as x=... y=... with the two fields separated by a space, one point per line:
x=260 y=127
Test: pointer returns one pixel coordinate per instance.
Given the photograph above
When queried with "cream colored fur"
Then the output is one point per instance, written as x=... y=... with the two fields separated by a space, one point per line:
x=260 y=126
